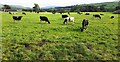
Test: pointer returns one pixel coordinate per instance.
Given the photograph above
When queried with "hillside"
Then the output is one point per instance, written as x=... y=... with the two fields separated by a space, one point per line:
x=107 y=4
x=16 y=7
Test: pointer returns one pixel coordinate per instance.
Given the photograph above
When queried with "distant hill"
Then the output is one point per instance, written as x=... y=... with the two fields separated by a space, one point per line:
x=107 y=4
x=16 y=7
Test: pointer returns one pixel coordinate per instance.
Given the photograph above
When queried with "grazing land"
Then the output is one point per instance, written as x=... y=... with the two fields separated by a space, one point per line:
x=29 y=40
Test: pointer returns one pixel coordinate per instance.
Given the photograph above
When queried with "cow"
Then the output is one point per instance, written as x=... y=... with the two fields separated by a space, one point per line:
x=97 y=16
x=10 y=13
x=61 y=12
x=87 y=13
x=68 y=19
x=38 y=12
x=112 y=17
x=17 y=18
x=64 y=16
x=84 y=24
x=53 y=12
x=79 y=13
x=44 y=18
x=101 y=14
x=24 y=13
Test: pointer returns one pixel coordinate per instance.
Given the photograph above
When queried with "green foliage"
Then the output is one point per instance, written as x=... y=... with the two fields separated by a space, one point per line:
x=36 y=8
x=24 y=40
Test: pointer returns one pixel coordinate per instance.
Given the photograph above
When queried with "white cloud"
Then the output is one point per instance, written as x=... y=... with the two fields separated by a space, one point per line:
x=43 y=3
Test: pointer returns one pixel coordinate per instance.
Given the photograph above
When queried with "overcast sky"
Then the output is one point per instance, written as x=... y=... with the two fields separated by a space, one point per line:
x=44 y=3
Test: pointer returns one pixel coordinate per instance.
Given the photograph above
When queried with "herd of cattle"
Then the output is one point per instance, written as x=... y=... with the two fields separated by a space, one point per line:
x=65 y=17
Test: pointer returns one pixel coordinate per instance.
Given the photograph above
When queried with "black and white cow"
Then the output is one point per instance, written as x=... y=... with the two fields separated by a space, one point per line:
x=17 y=18
x=112 y=17
x=44 y=18
x=68 y=19
x=97 y=16
x=64 y=16
x=84 y=24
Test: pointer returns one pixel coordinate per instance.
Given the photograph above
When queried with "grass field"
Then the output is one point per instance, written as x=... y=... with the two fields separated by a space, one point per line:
x=30 y=40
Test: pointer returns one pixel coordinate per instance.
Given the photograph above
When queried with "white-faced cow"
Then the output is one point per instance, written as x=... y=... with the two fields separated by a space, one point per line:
x=17 y=18
x=68 y=19
x=44 y=18
x=97 y=16
x=84 y=24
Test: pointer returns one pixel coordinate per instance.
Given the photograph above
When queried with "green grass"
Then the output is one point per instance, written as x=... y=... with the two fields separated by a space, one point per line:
x=61 y=42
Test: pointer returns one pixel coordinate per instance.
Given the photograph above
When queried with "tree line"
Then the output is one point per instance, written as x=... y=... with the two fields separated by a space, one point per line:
x=75 y=8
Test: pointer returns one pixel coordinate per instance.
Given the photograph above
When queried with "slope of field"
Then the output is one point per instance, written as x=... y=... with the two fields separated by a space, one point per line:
x=30 y=40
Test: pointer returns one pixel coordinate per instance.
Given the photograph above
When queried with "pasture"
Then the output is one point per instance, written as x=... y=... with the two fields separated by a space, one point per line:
x=30 y=40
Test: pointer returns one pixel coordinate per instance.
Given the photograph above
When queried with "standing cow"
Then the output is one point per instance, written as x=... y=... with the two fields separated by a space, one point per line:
x=84 y=24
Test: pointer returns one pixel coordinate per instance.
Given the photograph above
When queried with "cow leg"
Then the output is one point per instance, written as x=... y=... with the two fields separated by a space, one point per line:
x=40 y=21
x=73 y=21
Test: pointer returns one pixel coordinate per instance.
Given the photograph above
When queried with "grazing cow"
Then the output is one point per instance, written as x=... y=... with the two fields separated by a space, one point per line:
x=53 y=12
x=79 y=13
x=84 y=24
x=44 y=18
x=10 y=13
x=97 y=16
x=101 y=14
x=64 y=16
x=38 y=12
x=112 y=17
x=68 y=19
x=87 y=14
x=17 y=18
x=24 y=13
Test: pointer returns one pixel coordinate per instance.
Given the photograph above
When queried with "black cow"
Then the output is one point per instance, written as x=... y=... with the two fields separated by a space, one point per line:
x=61 y=12
x=53 y=12
x=101 y=14
x=44 y=18
x=79 y=13
x=84 y=24
x=17 y=18
x=112 y=17
x=87 y=14
x=24 y=13
x=64 y=16
x=97 y=16
x=10 y=13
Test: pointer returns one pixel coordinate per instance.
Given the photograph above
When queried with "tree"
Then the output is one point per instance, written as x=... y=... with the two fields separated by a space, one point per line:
x=6 y=7
x=36 y=8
